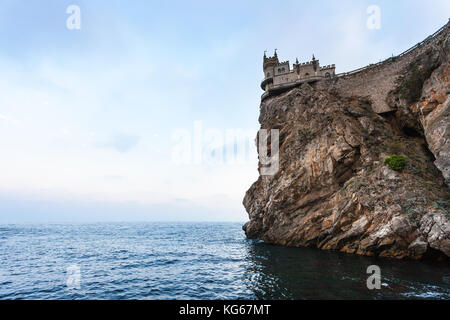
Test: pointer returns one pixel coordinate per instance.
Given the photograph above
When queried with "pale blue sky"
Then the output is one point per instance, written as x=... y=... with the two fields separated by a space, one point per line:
x=87 y=116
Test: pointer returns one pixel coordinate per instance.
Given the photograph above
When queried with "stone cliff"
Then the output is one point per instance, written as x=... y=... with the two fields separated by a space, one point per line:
x=333 y=189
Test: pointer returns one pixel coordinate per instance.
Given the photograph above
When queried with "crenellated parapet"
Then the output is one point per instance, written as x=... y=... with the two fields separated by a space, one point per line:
x=330 y=66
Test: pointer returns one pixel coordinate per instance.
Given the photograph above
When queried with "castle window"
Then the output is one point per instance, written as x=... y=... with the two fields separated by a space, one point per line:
x=268 y=74
x=327 y=75
x=282 y=69
x=306 y=74
x=279 y=70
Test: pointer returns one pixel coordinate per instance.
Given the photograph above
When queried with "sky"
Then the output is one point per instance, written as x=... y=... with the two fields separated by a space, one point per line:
x=92 y=119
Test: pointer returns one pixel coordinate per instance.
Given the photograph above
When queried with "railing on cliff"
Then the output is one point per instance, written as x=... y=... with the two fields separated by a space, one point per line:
x=370 y=66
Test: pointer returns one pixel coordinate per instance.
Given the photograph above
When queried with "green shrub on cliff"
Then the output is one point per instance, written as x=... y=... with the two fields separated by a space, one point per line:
x=396 y=162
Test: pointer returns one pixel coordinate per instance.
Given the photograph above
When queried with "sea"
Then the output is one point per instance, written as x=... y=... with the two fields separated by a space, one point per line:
x=194 y=261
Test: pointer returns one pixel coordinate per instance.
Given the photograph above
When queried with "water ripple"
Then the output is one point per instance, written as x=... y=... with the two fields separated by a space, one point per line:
x=193 y=261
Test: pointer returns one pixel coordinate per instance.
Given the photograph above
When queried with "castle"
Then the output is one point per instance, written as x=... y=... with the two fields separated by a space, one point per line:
x=278 y=76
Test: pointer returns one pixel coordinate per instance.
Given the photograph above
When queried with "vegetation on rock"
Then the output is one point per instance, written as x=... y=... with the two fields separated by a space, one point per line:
x=396 y=162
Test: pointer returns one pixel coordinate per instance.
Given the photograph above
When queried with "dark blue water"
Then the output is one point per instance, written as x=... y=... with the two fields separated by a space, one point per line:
x=193 y=261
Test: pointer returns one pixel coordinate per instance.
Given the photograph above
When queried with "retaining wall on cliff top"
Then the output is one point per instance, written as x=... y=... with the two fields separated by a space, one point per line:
x=377 y=80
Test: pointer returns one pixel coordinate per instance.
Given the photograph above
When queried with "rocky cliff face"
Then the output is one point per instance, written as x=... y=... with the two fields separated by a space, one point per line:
x=333 y=190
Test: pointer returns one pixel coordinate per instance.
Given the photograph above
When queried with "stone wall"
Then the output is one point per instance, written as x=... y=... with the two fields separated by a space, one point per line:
x=305 y=68
x=376 y=81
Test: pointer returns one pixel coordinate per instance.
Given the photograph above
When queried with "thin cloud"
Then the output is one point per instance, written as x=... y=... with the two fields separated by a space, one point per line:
x=10 y=120
x=121 y=142
x=113 y=177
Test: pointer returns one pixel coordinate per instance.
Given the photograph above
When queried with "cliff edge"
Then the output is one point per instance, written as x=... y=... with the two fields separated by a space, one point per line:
x=333 y=189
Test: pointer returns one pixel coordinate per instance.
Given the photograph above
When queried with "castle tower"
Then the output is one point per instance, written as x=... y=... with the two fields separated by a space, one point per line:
x=269 y=64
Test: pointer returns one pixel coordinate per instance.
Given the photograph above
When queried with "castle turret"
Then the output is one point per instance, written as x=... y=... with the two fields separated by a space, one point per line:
x=269 y=64
x=315 y=63
x=297 y=67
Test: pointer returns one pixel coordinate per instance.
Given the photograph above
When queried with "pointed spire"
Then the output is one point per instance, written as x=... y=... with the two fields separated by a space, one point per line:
x=315 y=63
x=265 y=54
x=275 y=54
x=297 y=66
